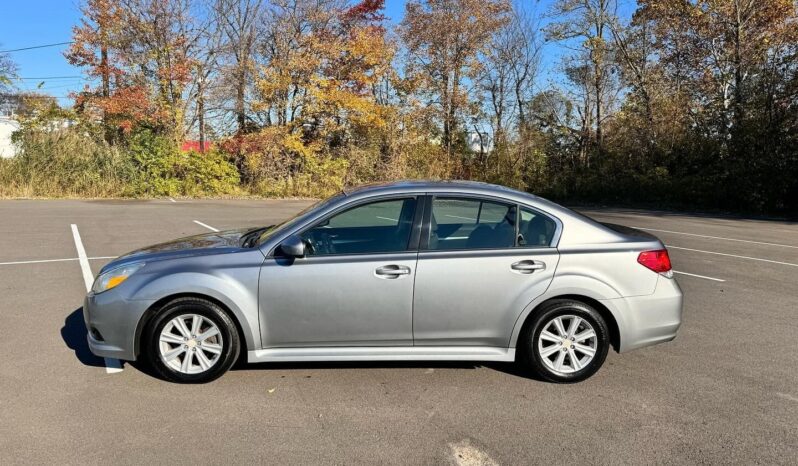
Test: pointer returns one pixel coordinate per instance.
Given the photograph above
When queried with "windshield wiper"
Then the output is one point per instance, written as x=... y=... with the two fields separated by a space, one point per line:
x=248 y=238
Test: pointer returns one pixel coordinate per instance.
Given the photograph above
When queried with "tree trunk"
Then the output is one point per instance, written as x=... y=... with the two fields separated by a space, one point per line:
x=241 y=116
x=106 y=86
x=201 y=110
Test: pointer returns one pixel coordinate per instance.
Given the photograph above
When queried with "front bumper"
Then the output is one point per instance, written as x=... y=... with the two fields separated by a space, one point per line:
x=112 y=323
x=648 y=320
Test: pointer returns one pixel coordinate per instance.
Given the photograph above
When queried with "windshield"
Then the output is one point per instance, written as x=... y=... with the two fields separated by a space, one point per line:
x=270 y=231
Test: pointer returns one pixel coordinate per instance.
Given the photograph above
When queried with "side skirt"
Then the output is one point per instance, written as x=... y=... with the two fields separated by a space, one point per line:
x=382 y=353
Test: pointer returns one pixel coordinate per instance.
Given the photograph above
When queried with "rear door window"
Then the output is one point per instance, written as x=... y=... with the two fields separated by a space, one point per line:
x=464 y=223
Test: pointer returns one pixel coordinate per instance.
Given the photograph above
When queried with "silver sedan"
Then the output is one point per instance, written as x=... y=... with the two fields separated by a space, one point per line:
x=412 y=271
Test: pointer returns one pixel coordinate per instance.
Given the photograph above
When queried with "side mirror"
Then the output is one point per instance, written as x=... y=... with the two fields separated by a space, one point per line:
x=293 y=246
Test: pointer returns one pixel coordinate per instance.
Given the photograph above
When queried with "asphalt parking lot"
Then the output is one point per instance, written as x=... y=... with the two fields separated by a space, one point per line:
x=725 y=391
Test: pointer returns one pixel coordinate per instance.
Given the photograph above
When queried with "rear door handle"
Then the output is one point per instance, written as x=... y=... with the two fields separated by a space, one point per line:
x=528 y=266
x=392 y=271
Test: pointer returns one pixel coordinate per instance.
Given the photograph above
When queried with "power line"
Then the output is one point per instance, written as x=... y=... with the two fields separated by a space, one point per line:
x=36 y=47
x=35 y=96
x=54 y=77
x=43 y=88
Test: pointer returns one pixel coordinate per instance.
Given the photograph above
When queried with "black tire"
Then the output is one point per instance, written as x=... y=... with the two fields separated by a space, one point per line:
x=230 y=340
x=528 y=342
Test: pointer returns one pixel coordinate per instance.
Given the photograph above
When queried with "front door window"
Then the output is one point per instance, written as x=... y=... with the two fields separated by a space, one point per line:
x=377 y=227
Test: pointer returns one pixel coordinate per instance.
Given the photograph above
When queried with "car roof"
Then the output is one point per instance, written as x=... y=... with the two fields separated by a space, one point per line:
x=455 y=187
x=433 y=185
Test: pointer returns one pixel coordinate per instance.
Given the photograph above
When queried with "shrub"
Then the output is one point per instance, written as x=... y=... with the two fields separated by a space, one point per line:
x=65 y=162
x=70 y=162
x=162 y=170
x=279 y=163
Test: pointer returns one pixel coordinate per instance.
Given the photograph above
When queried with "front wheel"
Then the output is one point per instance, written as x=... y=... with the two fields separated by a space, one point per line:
x=567 y=341
x=191 y=340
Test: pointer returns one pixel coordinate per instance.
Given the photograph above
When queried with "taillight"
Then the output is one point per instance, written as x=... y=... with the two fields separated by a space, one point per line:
x=658 y=260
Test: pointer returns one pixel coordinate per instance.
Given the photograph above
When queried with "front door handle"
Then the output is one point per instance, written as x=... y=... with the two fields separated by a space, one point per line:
x=528 y=266
x=392 y=271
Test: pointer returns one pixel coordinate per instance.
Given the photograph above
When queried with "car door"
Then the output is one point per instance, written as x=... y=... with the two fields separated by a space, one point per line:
x=354 y=287
x=482 y=261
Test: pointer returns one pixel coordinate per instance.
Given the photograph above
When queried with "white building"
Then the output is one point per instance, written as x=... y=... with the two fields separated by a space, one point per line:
x=7 y=127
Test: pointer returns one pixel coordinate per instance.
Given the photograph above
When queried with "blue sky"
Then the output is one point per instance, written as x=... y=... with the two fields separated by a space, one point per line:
x=35 y=22
x=25 y=23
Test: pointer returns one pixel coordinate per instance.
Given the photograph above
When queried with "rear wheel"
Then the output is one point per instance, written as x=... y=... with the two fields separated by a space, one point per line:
x=191 y=340
x=567 y=341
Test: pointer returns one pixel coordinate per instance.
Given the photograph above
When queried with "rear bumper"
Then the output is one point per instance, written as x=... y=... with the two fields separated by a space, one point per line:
x=111 y=323
x=648 y=320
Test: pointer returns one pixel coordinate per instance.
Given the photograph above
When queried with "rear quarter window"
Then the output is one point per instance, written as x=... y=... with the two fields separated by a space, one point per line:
x=535 y=229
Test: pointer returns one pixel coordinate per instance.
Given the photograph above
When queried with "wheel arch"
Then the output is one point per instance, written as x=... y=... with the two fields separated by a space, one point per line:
x=156 y=307
x=606 y=314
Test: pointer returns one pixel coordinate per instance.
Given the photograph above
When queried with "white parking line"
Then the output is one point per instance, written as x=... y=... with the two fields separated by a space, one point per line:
x=718 y=237
x=206 y=226
x=43 y=261
x=111 y=365
x=699 y=276
x=732 y=255
x=38 y=261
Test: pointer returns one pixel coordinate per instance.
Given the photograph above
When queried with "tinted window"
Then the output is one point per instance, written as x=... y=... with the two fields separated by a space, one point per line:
x=535 y=229
x=377 y=227
x=471 y=224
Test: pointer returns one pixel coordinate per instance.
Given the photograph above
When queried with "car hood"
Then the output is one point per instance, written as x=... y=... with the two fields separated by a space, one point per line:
x=211 y=243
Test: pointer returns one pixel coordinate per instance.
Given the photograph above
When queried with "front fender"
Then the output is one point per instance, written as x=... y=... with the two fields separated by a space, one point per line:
x=234 y=286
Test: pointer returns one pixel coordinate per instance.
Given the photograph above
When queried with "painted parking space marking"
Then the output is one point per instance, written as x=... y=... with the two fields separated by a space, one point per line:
x=700 y=276
x=732 y=255
x=719 y=237
x=112 y=366
x=206 y=226
x=42 y=261
x=45 y=261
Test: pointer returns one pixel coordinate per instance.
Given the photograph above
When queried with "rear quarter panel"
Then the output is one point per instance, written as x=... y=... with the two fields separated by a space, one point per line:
x=610 y=270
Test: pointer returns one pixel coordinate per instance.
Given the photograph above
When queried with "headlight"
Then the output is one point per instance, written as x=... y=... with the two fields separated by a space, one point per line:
x=114 y=277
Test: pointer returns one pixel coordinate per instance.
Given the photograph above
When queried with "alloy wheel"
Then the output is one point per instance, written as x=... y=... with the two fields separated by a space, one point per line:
x=190 y=344
x=567 y=344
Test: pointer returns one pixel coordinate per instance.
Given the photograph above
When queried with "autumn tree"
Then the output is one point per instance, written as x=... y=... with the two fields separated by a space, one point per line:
x=142 y=53
x=321 y=63
x=160 y=39
x=96 y=48
x=239 y=23
x=445 y=40
x=588 y=22
x=723 y=66
x=508 y=78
